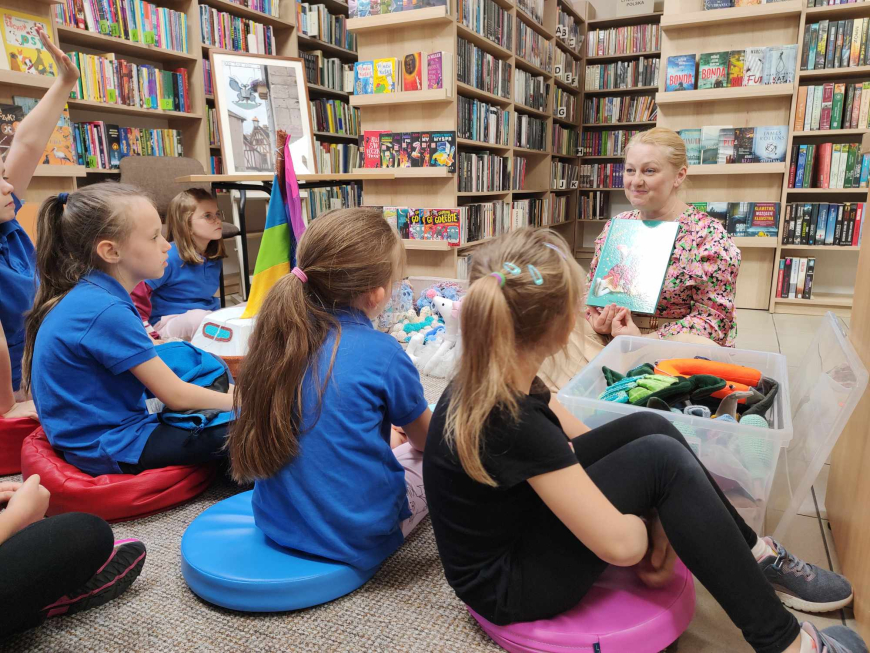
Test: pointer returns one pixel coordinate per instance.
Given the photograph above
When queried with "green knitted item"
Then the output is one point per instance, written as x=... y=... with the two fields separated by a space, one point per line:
x=611 y=376
x=705 y=385
x=642 y=370
x=672 y=393
x=649 y=385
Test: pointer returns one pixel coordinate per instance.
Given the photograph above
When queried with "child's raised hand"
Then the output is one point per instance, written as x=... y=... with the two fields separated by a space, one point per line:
x=602 y=319
x=66 y=70
x=622 y=324
x=28 y=503
x=21 y=409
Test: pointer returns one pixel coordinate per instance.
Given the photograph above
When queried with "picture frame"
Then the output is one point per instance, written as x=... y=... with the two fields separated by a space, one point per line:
x=255 y=96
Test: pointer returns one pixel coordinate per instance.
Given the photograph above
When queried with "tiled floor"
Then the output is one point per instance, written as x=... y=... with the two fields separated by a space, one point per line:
x=810 y=536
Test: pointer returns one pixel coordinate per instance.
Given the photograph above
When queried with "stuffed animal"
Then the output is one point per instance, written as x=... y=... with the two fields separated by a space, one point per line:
x=401 y=301
x=437 y=357
x=410 y=324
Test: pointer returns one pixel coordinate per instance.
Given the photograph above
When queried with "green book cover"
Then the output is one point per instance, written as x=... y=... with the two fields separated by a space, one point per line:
x=837 y=106
x=814 y=40
x=808 y=168
x=713 y=70
x=633 y=263
x=850 y=166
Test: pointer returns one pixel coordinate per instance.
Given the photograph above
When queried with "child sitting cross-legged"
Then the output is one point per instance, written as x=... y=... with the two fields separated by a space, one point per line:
x=529 y=506
x=321 y=389
x=176 y=302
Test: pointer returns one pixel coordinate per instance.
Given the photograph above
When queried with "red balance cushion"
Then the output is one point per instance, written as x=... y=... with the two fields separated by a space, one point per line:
x=114 y=497
x=12 y=434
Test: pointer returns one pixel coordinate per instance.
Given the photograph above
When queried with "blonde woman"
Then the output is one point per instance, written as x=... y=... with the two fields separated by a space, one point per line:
x=697 y=300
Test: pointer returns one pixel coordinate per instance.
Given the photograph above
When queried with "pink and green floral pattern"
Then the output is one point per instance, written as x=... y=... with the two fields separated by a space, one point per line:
x=701 y=281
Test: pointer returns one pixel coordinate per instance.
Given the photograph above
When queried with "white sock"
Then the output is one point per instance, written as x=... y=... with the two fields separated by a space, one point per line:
x=807 y=643
x=762 y=549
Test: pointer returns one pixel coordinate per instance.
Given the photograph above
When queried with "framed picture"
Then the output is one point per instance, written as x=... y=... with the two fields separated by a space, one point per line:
x=255 y=96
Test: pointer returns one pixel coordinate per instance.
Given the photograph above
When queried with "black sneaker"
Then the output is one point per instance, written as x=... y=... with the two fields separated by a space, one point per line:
x=803 y=586
x=110 y=581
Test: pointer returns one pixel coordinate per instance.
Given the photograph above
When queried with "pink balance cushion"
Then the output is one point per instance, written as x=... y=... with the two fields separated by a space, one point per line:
x=12 y=434
x=619 y=614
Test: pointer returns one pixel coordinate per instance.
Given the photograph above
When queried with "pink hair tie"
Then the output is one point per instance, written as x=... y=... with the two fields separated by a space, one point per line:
x=300 y=275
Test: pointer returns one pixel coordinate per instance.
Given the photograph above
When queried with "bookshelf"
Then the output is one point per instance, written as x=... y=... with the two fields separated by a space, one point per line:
x=597 y=129
x=434 y=29
x=688 y=29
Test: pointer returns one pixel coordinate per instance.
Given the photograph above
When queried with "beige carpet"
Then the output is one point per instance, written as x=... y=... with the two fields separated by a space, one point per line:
x=407 y=606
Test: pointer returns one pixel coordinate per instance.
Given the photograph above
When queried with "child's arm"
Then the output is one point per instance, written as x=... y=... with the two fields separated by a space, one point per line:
x=618 y=539
x=177 y=394
x=27 y=504
x=34 y=131
x=8 y=406
x=417 y=430
x=570 y=424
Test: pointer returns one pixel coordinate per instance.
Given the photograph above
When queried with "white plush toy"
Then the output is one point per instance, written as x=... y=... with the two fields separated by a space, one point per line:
x=437 y=358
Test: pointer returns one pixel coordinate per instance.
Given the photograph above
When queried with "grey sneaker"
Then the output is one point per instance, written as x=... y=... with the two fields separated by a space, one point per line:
x=803 y=586
x=836 y=639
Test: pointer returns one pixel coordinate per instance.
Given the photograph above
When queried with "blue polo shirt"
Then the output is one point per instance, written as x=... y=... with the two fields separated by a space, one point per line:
x=17 y=287
x=91 y=406
x=184 y=287
x=343 y=497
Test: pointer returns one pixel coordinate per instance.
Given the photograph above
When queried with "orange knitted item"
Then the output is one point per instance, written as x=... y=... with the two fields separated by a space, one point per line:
x=738 y=377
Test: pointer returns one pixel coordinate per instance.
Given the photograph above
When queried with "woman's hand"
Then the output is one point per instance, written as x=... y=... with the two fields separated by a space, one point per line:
x=622 y=324
x=27 y=504
x=66 y=70
x=657 y=567
x=602 y=319
x=21 y=409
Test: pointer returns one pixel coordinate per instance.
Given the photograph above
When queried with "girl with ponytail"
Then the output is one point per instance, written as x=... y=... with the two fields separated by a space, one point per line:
x=87 y=359
x=321 y=388
x=529 y=506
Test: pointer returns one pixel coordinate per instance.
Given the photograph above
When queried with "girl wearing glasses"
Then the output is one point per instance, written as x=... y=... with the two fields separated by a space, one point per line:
x=177 y=302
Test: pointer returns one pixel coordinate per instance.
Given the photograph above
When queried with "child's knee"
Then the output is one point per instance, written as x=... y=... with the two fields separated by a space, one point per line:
x=664 y=448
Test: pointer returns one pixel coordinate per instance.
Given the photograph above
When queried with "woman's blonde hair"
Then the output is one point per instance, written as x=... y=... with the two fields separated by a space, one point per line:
x=502 y=314
x=665 y=138
x=178 y=226
x=344 y=254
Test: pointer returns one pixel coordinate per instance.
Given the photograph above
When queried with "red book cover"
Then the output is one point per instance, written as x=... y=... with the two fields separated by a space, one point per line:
x=827 y=101
x=372 y=145
x=779 y=278
x=856 y=232
x=825 y=165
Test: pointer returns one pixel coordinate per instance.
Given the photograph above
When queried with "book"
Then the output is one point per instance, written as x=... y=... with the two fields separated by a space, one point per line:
x=681 y=73
x=441 y=224
x=434 y=70
x=363 y=78
x=402 y=221
x=388 y=159
x=779 y=64
x=735 y=68
x=795 y=264
x=11 y=116
x=827 y=102
x=710 y=143
x=713 y=70
x=835 y=40
x=814 y=36
x=837 y=106
x=779 y=277
x=692 y=139
x=770 y=143
x=59 y=150
x=632 y=265
x=744 y=140
x=718 y=211
x=855 y=50
x=738 y=217
x=24 y=51
x=800 y=109
x=412 y=74
x=718 y=4
x=425 y=149
x=753 y=67
x=415 y=224
x=443 y=151
x=763 y=219
x=372 y=148
x=404 y=150
x=809 y=272
x=726 y=146
x=386 y=75
x=822 y=46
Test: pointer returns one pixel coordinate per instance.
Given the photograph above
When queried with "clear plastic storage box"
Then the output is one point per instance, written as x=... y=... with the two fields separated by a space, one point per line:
x=742 y=458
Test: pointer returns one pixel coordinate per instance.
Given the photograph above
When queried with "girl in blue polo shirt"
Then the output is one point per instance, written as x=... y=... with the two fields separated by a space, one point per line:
x=87 y=357
x=17 y=260
x=321 y=389
x=177 y=302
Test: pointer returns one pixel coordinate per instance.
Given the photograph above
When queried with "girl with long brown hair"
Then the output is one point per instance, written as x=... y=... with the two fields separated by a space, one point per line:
x=321 y=388
x=529 y=506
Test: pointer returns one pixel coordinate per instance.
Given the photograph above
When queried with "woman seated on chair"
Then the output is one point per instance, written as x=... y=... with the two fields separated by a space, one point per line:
x=177 y=302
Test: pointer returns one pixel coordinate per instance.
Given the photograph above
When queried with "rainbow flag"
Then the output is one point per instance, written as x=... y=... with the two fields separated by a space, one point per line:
x=284 y=226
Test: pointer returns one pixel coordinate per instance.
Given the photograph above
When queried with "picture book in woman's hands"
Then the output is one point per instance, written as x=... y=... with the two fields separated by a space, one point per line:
x=632 y=265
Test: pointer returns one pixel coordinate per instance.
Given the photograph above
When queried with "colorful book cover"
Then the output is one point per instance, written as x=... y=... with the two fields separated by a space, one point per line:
x=681 y=73
x=411 y=73
x=763 y=219
x=363 y=8
x=387 y=156
x=410 y=5
x=352 y=10
x=386 y=75
x=113 y=141
x=713 y=70
x=386 y=6
x=390 y=216
x=822 y=46
x=692 y=139
x=753 y=67
x=738 y=216
x=404 y=151
x=744 y=139
x=363 y=78
x=780 y=64
x=395 y=6
x=434 y=76
x=735 y=67
x=443 y=150
x=632 y=265
x=770 y=143
x=24 y=50
x=726 y=146
x=372 y=148
x=718 y=211
x=718 y=4
x=426 y=149
x=416 y=151
x=710 y=143
x=375 y=7
x=11 y=116
x=59 y=150
x=402 y=221
x=441 y=224
x=811 y=61
x=415 y=224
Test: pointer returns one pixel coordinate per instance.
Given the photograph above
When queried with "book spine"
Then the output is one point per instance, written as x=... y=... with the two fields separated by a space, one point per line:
x=792 y=168
x=814 y=225
x=859 y=217
x=825 y=165
x=779 y=277
x=808 y=280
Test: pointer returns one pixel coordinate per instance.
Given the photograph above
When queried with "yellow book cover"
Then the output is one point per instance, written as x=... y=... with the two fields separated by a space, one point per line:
x=24 y=50
x=857 y=30
x=59 y=150
x=386 y=75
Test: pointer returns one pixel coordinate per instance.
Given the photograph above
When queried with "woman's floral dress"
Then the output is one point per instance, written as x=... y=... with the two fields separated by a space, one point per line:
x=701 y=280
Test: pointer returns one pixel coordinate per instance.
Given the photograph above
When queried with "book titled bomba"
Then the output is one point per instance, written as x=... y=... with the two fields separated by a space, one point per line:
x=681 y=73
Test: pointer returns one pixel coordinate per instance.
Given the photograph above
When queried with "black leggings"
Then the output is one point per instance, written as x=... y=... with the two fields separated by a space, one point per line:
x=46 y=561
x=641 y=462
x=168 y=445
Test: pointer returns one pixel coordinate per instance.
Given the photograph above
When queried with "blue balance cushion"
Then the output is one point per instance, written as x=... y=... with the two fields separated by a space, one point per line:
x=228 y=561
